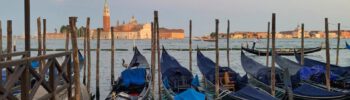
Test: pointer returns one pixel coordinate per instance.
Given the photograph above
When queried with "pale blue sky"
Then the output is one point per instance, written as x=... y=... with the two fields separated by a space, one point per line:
x=245 y=15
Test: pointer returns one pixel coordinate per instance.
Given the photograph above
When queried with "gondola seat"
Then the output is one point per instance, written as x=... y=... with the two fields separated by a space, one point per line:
x=227 y=82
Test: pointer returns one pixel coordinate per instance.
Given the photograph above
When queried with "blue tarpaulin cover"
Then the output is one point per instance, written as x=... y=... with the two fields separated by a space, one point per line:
x=315 y=73
x=303 y=90
x=134 y=76
x=339 y=70
x=166 y=83
x=251 y=93
x=190 y=94
x=3 y=75
x=195 y=81
x=35 y=64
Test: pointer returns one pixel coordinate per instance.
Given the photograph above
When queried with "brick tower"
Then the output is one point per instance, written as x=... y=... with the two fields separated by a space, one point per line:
x=106 y=18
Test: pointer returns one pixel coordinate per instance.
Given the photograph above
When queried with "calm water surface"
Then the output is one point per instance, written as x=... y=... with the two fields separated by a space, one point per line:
x=182 y=56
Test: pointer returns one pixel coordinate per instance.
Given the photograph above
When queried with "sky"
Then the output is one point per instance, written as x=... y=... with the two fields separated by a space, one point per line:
x=244 y=15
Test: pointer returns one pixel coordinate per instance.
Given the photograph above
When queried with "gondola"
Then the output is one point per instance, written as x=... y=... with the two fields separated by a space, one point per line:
x=259 y=75
x=347 y=45
x=178 y=82
x=311 y=75
x=287 y=52
x=232 y=85
x=134 y=82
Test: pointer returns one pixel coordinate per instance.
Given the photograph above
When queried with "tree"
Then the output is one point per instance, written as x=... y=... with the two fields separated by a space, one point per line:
x=81 y=31
x=212 y=34
x=64 y=28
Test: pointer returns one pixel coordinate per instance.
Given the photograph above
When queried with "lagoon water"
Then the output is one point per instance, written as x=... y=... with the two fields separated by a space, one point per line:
x=183 y=56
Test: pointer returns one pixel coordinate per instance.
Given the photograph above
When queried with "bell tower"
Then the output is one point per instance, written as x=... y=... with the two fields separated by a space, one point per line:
x=106 y=17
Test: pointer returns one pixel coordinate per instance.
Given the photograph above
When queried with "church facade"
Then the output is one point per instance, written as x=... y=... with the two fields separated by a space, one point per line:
x=132 y=29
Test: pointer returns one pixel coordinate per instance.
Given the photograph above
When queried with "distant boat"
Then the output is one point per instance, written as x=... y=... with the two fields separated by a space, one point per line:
x=285 y=52
x=196 y=39
x=208 y=39
x=347 y=45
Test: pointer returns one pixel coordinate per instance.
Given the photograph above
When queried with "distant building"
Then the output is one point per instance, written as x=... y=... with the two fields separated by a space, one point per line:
x=287 y=34
x=238 y=35
x=261 y=34
x=106 y=18
x=296 y=33
x=55 y=35
x=345 y=33
x=135 y=30
x=132 y=29
x=165 y=33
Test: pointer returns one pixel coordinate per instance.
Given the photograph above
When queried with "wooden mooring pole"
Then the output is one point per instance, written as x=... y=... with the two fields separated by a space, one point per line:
x=44 y=37
x=84 y=67
x=9 y=45
x=190 y=46
x=273 y=54
x=153 y=57
x=112 y=55
x=228 y=43
x=39 y=43
x=9 y=39
x=98 y=65
x=0 y=42
x=302 y=44
x=158 y=55
x=328 y=84
x=1 y=50
x=14 y=44
x=268 y=44
x=67 y=39
x=72 y=24
x=25 y=83
x=88 y=54
x=338 y=43
x=217 y=58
